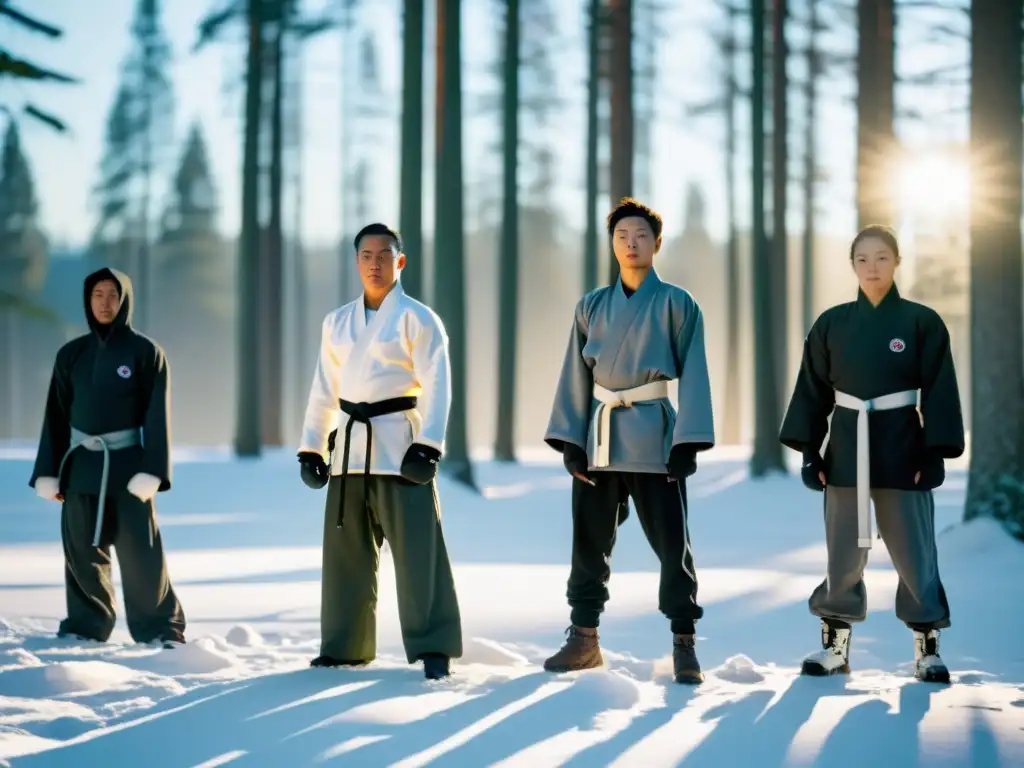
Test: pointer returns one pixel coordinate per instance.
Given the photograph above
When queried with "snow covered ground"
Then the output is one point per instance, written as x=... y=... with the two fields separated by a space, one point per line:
x=243 y=543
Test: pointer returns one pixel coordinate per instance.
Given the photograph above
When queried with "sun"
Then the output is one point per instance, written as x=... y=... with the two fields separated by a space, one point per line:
x=933 y=185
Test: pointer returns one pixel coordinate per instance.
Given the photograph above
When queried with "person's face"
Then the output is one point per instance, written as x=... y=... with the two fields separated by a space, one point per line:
x=379 y=262
x=104 y=301
x=633 y=243
x=875 y=265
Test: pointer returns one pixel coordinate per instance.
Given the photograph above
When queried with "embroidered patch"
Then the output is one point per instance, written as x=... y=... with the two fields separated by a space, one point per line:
x=124 y=371
x=897 y=345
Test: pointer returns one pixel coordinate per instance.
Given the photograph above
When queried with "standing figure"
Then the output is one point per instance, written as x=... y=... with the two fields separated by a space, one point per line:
x=104 y=453
x=882 y=367
x=383 y=366
x=621 y=439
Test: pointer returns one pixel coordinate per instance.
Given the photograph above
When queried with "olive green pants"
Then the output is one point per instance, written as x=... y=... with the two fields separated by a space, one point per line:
x=408 y=516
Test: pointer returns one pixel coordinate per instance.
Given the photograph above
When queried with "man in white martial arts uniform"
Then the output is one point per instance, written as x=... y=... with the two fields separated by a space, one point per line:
x=382 y=390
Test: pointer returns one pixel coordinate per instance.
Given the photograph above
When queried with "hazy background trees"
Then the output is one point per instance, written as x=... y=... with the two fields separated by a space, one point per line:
x=496 y=134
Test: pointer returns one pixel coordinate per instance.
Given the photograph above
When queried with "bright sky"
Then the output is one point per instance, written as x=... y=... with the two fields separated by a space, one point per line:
x=687 y=150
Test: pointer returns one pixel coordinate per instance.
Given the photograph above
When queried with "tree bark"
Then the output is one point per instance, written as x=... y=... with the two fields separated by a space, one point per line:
x=508 y=285
x=621 y=77
x=411 y=203
x=767 y=455
x=780 y=207
x=248 y=434
x=448 y=234
x=733 y=411
x=272 y=279
x=591 y=237
x=996 y=480
x=810 y=164
x=876 y=138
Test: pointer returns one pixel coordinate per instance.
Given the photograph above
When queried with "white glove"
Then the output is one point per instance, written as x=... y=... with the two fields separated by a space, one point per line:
x=143 y=486
x=47 y=488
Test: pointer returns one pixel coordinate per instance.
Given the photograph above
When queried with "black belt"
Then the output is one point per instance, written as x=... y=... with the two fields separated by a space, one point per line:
x=362 y=413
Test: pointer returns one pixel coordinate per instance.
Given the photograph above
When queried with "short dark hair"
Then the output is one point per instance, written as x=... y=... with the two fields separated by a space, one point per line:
x=377 y=229
x=628 y=207
x=884 y=233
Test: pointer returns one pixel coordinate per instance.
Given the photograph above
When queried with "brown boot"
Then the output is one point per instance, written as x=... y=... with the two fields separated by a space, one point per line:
x=684 y=660
x=580 y=651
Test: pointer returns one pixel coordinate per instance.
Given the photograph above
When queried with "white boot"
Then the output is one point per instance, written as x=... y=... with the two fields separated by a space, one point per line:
x=833 y=658
x=928 y=666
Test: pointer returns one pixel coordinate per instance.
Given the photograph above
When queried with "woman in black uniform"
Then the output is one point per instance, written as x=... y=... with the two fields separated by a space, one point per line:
x=882 y=367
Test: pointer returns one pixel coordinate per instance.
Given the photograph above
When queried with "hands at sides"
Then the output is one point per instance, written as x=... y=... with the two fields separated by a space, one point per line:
x=576 y=463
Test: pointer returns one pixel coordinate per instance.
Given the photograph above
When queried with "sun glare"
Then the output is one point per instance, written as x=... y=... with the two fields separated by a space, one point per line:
x=933 y=185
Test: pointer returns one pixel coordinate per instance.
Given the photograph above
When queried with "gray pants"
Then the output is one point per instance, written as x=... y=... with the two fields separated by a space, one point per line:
x=151 y=607
x=409 y=517
x=906 y=522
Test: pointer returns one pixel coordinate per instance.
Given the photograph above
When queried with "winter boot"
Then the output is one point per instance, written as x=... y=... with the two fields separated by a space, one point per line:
x=435 y=666
x=928 y=667
x=581 y=651
x=833 y=658
x=684 y=660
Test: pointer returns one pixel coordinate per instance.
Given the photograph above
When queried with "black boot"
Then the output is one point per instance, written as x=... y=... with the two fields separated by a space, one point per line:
x=686 y=668
x=435 y=666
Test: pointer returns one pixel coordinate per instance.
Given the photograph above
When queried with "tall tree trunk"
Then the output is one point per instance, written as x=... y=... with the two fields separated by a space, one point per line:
x=767 y=454
x=810 y=163
x=248 y=437
x=349 y=81
x=733 y=413
x=272 y=279
x=780 y=189
x=876 y=138
x=508 y=285
x=621 y=76
x=411 y=201
x=996 y=481
x=590 y=238
x=449 y=244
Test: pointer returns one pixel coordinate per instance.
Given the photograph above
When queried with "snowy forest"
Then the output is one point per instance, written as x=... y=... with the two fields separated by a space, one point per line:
x=495 y=135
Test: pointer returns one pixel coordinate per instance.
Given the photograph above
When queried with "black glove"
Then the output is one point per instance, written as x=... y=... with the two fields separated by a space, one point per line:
x=575 y=460
x=313 y=470
x=682 y=462
x=809 y=469
x=933 y=470
x=419 y=465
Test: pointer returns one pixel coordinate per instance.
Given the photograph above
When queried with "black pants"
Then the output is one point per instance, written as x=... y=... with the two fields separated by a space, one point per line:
x=151 y=606
x=597 y=513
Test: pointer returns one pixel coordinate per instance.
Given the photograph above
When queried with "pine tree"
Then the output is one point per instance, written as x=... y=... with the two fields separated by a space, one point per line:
x=22 y=269
x=139 y=126
x=193 y=204
x=22 y=248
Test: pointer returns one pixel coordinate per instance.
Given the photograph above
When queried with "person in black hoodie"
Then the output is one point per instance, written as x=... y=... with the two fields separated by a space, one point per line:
x=104 y=452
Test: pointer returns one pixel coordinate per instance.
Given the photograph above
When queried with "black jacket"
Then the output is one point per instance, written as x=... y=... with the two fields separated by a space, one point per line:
x=867 y=351
x=110 y=379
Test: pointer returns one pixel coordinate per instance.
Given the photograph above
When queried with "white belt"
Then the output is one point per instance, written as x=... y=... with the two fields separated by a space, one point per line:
x=863 y=408
x=107 y=442
x=609 y=400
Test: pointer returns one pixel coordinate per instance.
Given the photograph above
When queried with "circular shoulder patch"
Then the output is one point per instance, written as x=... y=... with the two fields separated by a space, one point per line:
x=897 y=345
x=124 y=371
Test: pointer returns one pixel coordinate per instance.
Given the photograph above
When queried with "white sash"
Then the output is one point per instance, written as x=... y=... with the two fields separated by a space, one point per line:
x=608 y=401
x=863 y=408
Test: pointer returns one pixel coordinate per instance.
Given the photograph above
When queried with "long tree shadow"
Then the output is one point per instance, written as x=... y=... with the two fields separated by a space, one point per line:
x=286 y=719
x=385 y=743
x=606 y=752
x=895 y=736
x=747 y=734
x=573 y=705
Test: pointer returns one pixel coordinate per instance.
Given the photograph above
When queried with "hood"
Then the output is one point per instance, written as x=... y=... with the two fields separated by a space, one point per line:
x=124 y=314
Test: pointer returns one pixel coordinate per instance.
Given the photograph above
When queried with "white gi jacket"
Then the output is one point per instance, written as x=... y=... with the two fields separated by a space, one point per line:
x=402 y=352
